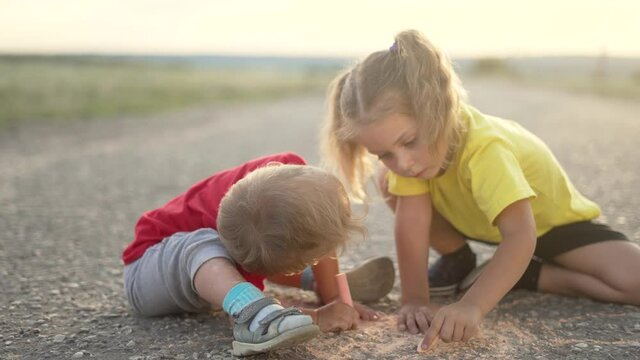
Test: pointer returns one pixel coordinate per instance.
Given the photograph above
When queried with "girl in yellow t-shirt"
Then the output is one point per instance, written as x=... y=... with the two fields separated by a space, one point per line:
x=450 y=173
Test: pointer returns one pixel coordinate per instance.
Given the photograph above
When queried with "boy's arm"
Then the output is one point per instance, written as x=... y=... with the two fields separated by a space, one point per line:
x=334 y=315
x=324 y=272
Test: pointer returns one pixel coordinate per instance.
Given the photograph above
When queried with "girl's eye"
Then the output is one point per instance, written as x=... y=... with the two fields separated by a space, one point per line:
x=410 y=143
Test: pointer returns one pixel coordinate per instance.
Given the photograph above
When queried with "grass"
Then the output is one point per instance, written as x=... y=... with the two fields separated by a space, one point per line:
x=49 y=89
x=62 y=89
x=613 y=87
x=619 y=85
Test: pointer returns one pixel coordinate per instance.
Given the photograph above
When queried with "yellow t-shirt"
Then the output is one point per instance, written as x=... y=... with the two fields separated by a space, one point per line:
x=500 y=163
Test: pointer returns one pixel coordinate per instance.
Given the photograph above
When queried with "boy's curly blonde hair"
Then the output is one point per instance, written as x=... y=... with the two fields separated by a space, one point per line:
x=280 y=219
x=412 y=78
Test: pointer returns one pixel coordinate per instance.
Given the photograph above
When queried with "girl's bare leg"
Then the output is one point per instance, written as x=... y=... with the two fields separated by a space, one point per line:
x=606 y=271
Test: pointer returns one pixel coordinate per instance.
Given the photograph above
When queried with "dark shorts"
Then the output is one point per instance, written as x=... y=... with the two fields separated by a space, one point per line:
x=564 y=238
x=560 y=240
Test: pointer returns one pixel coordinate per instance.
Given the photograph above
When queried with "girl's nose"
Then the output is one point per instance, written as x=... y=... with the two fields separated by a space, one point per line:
x=406 y=163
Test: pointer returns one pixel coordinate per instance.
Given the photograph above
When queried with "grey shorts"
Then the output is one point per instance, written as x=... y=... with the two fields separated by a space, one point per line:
x=161 y=281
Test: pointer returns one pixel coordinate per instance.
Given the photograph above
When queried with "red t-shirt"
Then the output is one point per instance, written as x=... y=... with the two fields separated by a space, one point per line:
x=195 y=209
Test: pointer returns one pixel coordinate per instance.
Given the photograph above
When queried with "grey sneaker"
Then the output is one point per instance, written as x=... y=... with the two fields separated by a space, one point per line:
x=267 y=337
x=372 y=279
x=466 y=283
x=446 y=274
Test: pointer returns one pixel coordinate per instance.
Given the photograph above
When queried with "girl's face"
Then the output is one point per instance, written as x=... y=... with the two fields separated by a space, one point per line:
x=398 y=143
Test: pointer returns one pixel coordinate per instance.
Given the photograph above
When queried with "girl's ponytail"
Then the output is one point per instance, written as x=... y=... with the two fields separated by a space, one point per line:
x=342 y=155
x=431 y=84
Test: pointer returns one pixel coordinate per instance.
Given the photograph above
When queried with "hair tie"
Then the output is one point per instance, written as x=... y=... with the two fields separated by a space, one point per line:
x=394 y=47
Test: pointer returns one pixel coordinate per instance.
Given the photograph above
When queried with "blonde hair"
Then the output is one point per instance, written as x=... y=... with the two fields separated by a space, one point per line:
x=413 y=78
x=279 y=219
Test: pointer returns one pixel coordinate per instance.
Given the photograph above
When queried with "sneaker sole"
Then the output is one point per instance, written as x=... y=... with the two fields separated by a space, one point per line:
x=443 y=290
x=371 y=280
x=286 y=339
x=466 y=283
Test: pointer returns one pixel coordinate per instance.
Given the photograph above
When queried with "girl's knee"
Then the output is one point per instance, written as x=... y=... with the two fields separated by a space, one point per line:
x=625 y=283
x=630 y=288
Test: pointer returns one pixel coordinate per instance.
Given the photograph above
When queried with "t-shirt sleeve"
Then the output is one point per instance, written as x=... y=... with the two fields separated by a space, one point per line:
x=497 y=180
x=406 y=186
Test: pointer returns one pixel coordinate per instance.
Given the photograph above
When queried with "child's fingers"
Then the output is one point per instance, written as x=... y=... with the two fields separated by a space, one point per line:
x=446 y=331
x=458 y=332
x=432 y=333
x=468 y=333
x=423 y=323
x=355 y=319
x=429 y=313
x=402 y=322
x=370 y=315
x=411 y=323
x=366 y=313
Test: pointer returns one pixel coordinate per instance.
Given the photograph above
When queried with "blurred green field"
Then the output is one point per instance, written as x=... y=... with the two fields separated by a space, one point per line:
x=61 y=89
x=57 y=89
x=614 y=78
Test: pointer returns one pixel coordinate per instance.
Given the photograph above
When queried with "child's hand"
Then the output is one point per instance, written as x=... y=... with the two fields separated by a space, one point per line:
x=455 y=322
x=337 y=316
x=366 y=313
x=416 y=318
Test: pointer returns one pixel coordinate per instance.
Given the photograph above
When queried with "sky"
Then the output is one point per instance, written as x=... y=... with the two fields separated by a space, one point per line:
x=463 y=28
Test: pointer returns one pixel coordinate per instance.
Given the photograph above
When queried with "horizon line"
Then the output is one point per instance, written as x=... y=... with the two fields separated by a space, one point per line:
x=292 y=56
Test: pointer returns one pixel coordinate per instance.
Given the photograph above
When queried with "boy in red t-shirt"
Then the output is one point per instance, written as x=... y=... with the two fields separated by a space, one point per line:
x=267 y=219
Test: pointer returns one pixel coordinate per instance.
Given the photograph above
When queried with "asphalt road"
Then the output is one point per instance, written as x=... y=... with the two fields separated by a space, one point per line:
x=70 y=195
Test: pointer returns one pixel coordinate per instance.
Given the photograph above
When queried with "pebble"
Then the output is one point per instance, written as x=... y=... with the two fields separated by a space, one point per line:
x=131 y=343
x=77 y=355
x=582 y=345
x=59 y=338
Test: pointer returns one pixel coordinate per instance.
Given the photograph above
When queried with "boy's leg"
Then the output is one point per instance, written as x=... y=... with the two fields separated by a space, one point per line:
x=606 y=271
x=160 y=282
x=188 y=272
